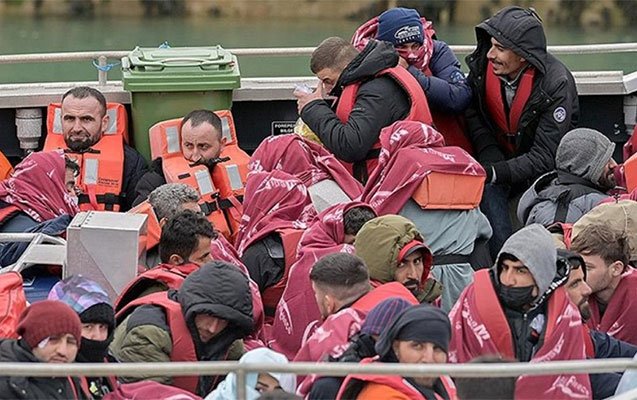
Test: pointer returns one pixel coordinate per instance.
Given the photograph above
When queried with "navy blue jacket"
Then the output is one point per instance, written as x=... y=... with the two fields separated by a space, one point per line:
x=606 y=346
x=447 y=89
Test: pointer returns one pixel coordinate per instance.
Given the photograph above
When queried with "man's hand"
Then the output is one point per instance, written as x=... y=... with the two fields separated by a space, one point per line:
x=302 y=99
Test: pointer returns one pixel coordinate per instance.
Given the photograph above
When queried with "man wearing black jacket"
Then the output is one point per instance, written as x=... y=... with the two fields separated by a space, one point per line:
x=379 y=102
x=525 y=100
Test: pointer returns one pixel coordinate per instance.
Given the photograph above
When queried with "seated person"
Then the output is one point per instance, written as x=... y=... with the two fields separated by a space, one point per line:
x=327 y=181
x=92 y=304
x=611 y=278
x=344 y=296
x=256 y=383
x=583 y=175
x=164 y=203
x=201 y=321
x=599 y=345
x=273 y=222
x=334 y=230
x=360 y=346
x=201 y=142
x=517 y=302
x=50 y=332
x=430 y=61
x=184 y=246
x=394 y=251
x=418 y=335
x=41 y=188
x=439 y=189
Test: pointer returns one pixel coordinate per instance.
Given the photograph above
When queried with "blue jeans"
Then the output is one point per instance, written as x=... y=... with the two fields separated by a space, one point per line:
x=495 y=205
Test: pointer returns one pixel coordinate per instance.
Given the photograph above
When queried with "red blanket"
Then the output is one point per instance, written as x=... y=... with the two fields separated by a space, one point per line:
x=620 y=318
x=332 y=337
x=479 y=327
x=297 y=308
x=306 y=160
x=273 y=200
x=221 y=249
x=38 y=188
x=411 y=150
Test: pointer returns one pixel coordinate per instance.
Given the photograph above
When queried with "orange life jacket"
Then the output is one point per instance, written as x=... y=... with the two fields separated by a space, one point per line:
x=419 y=112
x=222 y=191
x=153 y=229
x=102 y=166
x=630 y=172
x=183 y=348
x=507 y=123
x=447 y=191
x=272 y=295
x=5 y=167
x=8 y=212
x=12 y=303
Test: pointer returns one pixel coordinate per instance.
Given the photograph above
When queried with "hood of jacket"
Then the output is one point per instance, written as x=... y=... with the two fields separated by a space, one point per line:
x=379 y=242
x=533 y=245
x=375 y=57
x=518 y=29
x=584 y=152
x=220 y=289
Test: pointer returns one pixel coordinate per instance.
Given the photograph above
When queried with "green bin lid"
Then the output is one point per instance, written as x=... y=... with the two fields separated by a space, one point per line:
x=180 y=69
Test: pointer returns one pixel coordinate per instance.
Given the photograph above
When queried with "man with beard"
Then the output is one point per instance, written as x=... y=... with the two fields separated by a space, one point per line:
x=201 y=143
x=601 y=345
x=108 y=180
x=611 y=279
x=583 y=176
x=394 y=251
x=519 y=310
x=89 y=300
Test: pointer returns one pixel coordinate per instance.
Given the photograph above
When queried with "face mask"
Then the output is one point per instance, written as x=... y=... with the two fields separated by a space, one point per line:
x=516 y=297
x=413 y=57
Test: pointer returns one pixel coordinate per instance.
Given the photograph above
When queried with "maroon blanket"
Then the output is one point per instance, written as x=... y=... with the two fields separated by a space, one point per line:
x=410 y=151
x=38 y=188
x=479 y=327
x=306 y=160
x=273 y=200
x=620 y=317
x=297 y=308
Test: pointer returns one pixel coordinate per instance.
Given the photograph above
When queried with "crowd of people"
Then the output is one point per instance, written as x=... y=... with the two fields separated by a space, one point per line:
x=437 y=218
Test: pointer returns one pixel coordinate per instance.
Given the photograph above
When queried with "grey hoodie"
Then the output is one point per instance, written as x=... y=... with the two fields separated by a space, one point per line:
x=533 y=245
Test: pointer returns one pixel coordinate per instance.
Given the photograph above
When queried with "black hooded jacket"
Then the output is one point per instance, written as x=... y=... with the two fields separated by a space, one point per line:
x=380 y=101
x=218 y=289
x=551 y=111
x=32 y=387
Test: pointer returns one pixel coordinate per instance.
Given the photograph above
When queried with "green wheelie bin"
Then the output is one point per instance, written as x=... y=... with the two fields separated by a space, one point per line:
x=170 y=82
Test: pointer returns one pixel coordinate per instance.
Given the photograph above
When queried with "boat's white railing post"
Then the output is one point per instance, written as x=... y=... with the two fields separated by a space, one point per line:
x=102 y=73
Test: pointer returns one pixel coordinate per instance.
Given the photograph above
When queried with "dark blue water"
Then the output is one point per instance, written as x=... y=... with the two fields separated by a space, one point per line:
x=56 y=34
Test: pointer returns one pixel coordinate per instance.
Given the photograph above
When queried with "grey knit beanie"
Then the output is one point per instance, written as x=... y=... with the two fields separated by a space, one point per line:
x=584 y=152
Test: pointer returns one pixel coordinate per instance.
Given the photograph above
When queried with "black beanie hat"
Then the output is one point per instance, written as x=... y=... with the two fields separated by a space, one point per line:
x=99 y=313
x=421 y=323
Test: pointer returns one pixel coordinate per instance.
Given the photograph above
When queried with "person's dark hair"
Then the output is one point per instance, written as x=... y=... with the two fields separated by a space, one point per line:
x=355 y=218
x=334 y=53
x=82 y=92
x=198 y=117
x=72 y=165
x=500 y=388
x=600 y=240
x=181 y=235
x=343 y=275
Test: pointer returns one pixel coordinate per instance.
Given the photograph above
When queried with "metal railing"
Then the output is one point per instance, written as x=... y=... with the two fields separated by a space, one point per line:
x=326 y=369
x=103 y=56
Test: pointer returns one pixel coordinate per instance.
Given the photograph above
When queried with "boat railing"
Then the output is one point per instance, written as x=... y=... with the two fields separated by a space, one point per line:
x=101 y=57
x=326 y=369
